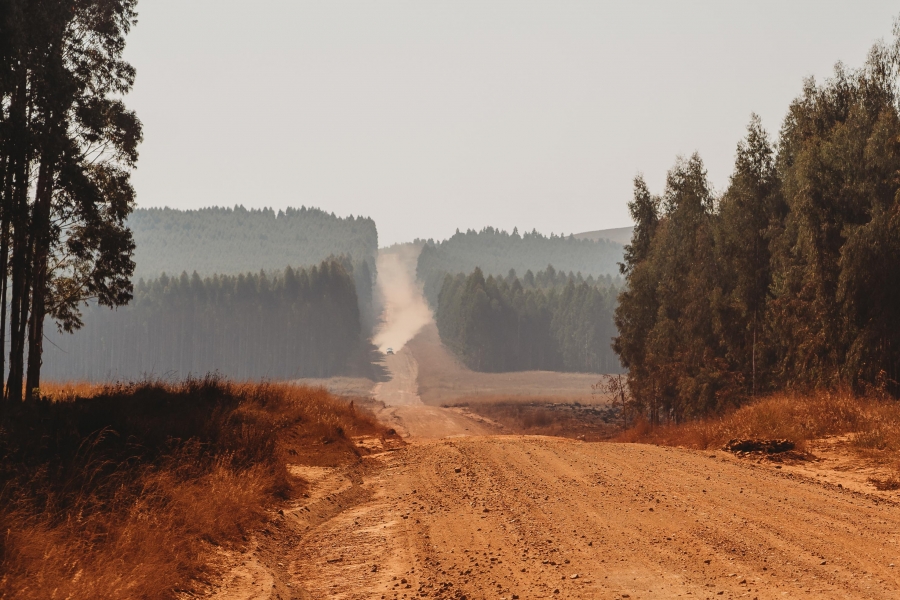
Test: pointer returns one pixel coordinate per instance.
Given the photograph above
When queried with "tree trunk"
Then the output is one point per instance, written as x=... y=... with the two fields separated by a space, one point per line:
x=40 y=236
x=16 y=215
x=5 y=205
x=4 y=279
x=19 y=303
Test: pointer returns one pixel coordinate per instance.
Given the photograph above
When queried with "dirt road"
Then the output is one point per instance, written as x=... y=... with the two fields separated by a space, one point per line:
x=406 y=413
x=508 y=517
x=405 y=314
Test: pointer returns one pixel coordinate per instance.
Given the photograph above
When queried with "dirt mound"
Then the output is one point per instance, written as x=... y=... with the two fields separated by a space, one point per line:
x=756 y=446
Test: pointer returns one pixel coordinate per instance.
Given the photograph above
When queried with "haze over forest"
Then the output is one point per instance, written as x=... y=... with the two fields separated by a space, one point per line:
x=449 y=300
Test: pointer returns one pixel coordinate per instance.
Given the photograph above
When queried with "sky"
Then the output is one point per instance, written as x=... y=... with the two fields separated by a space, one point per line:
x=430 y=116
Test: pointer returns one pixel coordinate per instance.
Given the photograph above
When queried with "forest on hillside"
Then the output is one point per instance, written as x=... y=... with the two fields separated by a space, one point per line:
x=546 y=321
x=231 y=241
x=789 y=279
x=299 y=323
x=495 y=252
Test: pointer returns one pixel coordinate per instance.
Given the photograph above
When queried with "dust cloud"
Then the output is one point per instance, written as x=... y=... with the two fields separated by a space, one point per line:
x=405 y=309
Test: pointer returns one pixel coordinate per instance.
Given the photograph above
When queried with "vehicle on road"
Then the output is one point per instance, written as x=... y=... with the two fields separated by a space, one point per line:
x=390 y=351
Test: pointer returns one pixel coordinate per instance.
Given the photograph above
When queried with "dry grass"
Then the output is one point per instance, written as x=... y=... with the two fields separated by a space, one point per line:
x=889 y=483
x=873 y=424
x=443 y=379
x=66 y=391
x=122 y=491
x=546 y=415
x=341 y=386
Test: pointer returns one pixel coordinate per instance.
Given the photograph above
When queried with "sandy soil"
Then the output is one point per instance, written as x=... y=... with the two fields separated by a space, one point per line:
x=504 y=516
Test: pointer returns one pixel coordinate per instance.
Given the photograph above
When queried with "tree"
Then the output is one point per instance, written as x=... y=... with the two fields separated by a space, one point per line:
x=789 y=279
x=638 y=306
x=64 y=128
x=617 y=389
x=838 y=162
x=749 y=212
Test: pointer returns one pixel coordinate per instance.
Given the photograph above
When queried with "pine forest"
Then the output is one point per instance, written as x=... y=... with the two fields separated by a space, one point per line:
x=298 y=323
x=231 y=241
x=546 y=321
x=495 y=252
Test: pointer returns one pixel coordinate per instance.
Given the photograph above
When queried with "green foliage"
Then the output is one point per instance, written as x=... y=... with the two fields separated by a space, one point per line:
x=789 y=279
x=228 y=241
x=300 y=323
x=495 y=252
x=548 y=321
x=68 y=145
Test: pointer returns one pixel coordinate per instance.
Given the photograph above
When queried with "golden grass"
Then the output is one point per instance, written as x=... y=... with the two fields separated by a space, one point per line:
x=873 y=424
x=122 y=491
x=69 y=390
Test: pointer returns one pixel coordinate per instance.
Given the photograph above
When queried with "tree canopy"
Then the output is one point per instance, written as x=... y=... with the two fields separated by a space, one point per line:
x=546 y=321
x=296 y=323
x=229 y=241
x=495 y=252
x=788 y=280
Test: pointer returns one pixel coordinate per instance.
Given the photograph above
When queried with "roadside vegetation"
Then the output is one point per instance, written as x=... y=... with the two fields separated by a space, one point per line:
x=788 y=280
x=126 y=491
x=871 y=425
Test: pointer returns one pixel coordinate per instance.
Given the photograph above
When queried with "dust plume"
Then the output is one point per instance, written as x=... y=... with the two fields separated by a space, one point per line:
x=405 y=309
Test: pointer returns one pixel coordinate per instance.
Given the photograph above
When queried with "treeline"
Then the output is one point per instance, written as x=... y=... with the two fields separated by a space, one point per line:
x=301 y=323
x=545 y=321
x=495 y=252
x=230 y=241
x=67 y=148
x=789 y=279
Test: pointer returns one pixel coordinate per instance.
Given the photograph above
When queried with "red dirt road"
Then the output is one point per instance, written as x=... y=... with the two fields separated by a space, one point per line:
x=533 y=517
x=528 y=516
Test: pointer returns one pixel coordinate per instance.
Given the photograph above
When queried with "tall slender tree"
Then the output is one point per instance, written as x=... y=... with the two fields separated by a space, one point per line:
x=748 y=216
x=638 y=305
x=68 y=145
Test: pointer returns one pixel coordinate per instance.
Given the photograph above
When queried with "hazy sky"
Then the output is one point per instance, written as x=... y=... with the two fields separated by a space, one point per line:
x=428 y=116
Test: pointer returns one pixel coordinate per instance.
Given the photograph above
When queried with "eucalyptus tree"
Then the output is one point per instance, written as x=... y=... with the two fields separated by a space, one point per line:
x=69 y=147
x=750 y=213
x=638 y=305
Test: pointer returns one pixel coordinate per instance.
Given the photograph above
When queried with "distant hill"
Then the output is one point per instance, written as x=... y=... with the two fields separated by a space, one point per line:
x=495 y=252
x=622 y=235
